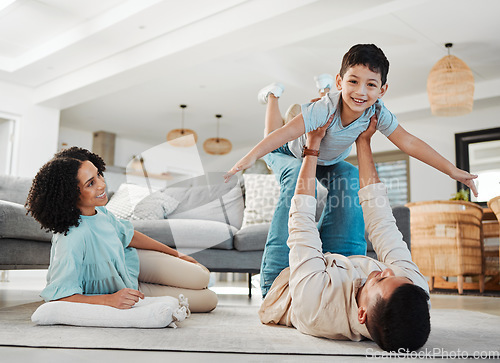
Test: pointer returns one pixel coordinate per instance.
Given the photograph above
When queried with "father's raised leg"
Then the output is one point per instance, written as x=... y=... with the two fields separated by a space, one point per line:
x=341 y=227
x=275 y=258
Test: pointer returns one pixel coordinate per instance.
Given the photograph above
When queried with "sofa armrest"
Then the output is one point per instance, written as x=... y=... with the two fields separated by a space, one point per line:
x=14 y=223
x=402 y=215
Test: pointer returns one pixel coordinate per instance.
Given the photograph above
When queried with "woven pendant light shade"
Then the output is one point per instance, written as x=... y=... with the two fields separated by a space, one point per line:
x=450 y=87
x=177 y=137
x=217 y=145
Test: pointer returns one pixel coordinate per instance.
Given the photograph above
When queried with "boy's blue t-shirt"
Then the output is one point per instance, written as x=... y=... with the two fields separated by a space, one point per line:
x=93 y=258
x=337 y=143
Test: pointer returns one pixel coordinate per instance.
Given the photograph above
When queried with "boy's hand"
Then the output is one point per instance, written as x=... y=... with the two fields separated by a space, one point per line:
x=370 y=131
x=465 y=178
x=244 y=163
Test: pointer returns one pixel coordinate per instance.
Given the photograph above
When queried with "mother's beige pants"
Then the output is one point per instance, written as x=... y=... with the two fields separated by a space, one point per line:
x=164 y=275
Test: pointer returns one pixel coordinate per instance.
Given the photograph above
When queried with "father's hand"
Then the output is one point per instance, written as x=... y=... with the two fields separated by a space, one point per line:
x=314 y=137
x=366 y=135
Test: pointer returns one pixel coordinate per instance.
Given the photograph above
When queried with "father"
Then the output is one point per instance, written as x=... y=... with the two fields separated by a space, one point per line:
x=339 y=297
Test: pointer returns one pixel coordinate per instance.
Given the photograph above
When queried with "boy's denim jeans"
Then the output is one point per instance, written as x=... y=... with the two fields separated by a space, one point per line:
x=341 y=226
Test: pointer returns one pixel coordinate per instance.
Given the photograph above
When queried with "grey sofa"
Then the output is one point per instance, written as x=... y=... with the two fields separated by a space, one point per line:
x=24 y=245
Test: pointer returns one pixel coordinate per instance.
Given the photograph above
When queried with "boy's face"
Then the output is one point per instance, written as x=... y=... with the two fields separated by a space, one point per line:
x=360 y=88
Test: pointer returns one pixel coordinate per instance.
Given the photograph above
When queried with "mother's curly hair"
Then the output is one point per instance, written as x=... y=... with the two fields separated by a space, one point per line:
x=54 y=193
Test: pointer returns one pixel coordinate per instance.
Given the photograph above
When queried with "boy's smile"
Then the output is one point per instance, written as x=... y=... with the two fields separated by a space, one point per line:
x=360 y=88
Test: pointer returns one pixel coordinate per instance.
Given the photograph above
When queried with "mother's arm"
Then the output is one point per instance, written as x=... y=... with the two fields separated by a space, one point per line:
x=123 y=299
x=143 y=242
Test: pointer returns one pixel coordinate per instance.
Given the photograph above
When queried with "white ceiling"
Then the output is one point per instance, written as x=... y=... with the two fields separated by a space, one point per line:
x=124 y=66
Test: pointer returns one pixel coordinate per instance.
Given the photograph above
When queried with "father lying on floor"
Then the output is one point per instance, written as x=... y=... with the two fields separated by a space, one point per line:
x=338 y=297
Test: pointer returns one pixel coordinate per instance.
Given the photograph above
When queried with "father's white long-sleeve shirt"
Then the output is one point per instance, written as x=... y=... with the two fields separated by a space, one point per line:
x=317 y=293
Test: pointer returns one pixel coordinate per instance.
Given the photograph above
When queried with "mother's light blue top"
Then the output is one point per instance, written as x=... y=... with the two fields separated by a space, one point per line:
x=93 y=258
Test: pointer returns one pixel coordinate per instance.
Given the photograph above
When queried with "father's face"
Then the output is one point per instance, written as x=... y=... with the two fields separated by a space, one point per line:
x=378 y=284
x=383 y=284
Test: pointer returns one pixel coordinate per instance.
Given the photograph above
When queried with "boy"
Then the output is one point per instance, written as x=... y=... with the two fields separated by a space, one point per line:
x=338 y=297
x=361 y=83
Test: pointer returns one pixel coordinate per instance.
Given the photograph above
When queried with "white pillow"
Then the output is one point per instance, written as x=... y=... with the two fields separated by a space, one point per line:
x=125 y=199
x=152 y=312
x=155 y=206
x=261 y=195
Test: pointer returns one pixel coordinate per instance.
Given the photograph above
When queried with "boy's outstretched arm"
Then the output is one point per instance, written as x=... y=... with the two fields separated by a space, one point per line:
x=274 y=140
x=417 y=148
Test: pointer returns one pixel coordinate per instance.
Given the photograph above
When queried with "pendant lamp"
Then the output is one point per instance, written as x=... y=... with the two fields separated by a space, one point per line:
x=177 y=137
x=450 y=86
x=217 y=145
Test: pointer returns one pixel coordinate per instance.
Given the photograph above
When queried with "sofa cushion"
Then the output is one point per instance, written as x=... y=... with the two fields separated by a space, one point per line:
x=188 y=233
x=125 y=199
x=221 y=202
x=155 y=206
x=14 y=223
x=14 y=189
x=261 y=195
x=252 y=237
x=228 y=261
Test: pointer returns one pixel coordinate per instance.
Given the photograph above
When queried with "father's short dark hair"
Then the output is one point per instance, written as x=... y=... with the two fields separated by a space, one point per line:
x=368 y=55
x=402 y=321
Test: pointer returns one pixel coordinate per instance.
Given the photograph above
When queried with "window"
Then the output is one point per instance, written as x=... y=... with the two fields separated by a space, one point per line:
x=478 y=152
x=393 y=169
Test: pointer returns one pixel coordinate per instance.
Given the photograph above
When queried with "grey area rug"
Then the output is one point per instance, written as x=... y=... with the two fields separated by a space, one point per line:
x=237 y=329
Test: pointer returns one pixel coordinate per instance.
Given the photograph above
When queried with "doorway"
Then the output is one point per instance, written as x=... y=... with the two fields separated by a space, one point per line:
x=6 y=145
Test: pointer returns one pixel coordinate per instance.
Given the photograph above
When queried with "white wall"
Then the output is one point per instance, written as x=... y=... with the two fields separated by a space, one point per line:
x=427 y=183
x=72 y=137
x=125 y=149
x=37 y=129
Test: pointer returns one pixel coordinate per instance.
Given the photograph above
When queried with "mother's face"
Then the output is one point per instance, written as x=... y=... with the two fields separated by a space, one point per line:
x=92 y=189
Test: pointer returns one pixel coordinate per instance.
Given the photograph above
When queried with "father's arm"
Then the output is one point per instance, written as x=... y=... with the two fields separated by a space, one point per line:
x=387 y=240
x=307 y=263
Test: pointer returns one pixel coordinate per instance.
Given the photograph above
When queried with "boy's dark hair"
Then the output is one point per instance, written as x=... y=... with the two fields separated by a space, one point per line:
x=54 y=192
x=368 y=55
x=402 y=321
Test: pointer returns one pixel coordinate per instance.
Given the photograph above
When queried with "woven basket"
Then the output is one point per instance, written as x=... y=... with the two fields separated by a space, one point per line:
x=494 y=204
x=446 y=238
x=450 y=87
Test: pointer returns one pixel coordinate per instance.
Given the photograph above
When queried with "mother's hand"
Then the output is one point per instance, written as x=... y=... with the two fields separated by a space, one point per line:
x=125 y=298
